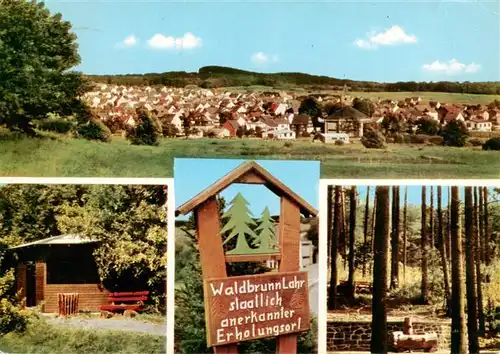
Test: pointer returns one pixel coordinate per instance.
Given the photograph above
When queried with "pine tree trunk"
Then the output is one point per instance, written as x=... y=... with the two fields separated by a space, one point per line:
x=458 y=329
x=478 y=207
x=337 y=224
x=448 y=238
x=424 y=288
x=352 y=235
x=365 y=225
x=344 y=232
x=405 y=227
x=470 y=235
x=442 y=249
x=379 y=336
x=395 y=239
x=479 y=279
x=330 y=219
x=487 y=251
x=372 y=230
x=431 y=220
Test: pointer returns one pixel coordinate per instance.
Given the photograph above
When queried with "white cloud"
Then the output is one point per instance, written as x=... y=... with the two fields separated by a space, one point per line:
x=160 y=41
x=128 y=42
x=451 y=67
x=392 y=36
x=263 y=58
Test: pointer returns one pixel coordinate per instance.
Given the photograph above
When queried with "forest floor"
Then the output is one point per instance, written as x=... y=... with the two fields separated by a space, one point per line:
x=60 y=156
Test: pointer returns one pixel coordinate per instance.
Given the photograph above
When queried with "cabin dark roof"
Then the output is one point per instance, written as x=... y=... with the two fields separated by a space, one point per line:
x=301 y=119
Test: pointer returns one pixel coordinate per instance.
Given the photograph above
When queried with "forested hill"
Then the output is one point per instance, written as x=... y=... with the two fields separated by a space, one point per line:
x=219 y=76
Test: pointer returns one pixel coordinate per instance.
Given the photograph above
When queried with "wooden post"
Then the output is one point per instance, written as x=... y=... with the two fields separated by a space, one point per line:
x=21 y=281
x=213 y=263
x=40 y=276
x=408 y=326
x=290 y=246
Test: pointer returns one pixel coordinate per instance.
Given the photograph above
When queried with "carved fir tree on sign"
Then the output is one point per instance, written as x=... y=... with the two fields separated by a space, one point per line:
x=266 y=241
x=240 y=219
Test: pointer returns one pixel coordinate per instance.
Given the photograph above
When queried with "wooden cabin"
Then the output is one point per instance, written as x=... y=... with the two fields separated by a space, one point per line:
x=59 y=264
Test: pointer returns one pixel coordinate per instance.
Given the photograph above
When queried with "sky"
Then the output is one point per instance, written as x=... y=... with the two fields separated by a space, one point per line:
x=192 y=176
x=386 y=41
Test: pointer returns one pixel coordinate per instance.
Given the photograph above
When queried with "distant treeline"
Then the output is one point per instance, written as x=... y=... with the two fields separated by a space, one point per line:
x=218 y=76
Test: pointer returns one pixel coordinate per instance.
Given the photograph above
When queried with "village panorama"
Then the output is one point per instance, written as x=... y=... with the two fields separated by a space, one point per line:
x=338 y=117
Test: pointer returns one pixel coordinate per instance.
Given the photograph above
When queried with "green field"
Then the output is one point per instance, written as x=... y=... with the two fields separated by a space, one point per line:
x=443 y=97
x=66 y=157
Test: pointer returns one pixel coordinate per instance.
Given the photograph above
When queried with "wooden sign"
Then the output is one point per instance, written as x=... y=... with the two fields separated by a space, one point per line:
x=256 y=306
x=242 y=308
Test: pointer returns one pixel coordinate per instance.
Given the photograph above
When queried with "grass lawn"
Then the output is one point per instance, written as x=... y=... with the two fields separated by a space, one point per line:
x=66 y=157
x=41 y=337
x=443 y=97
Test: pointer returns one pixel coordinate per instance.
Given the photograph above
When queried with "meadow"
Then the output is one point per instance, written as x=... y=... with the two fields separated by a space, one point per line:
x=57 y=156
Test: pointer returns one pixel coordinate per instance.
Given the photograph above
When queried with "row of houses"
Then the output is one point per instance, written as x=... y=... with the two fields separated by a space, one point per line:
x=275 y=115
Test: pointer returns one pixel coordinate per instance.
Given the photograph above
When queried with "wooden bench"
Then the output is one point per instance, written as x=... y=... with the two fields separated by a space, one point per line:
x=402 y=342
x=406 y=340
x=120 y=302
x=360 y=287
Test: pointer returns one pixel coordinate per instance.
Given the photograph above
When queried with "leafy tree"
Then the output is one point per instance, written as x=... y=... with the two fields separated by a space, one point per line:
x=373 y=139
x=266 y=240
x=169 y=130
x=393 y=123
x=455 y=134
x=238 y=224
x=310 y=107
x=492 y=144
x=240 y=132
x=93 y=129
x=147 y=130
x=37 y=49
x=364 y=105
x=130 y=222
x=427 y=125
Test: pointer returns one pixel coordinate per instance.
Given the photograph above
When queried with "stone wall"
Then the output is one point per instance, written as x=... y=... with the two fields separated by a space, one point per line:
x=356 y=336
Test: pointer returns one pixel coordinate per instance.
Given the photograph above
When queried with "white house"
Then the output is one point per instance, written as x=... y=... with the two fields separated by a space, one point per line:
x=283 y=134
x=479 y=125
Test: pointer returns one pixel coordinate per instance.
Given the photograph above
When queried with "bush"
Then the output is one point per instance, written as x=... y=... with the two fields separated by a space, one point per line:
x=475 y=142
x=373 y=140
x=492 y=144
x=147 y=131
x=436 y=140
x=211 y=134
x=169 y=130
x=339 y=142
x=398 y=138
x=94 y=129
x=56 y=125
x=288 y=144
x=455 y=134
x=12 y=318
x=419 y=139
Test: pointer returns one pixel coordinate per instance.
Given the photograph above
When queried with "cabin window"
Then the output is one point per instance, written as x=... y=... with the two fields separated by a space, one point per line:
x=66 y=266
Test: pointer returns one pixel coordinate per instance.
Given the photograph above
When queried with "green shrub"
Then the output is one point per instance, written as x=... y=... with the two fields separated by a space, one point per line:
x=398 y=138
x=419 y=139
x=147 y=131
x=455 y=134
x=288 y=144
x=56 y=125
x=436 y=140
x=94 y=129
x=373 y=140
x=475 y=142
x=492 y=144
x=339 y=142
x=12 y=317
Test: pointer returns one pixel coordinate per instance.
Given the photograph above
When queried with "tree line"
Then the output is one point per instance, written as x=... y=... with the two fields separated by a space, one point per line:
x=462 y=253
x=217 y=76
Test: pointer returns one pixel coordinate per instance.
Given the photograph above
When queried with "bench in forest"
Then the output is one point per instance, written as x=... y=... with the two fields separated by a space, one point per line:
x=360 y=287
x=406 y=340
x=126 y=301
